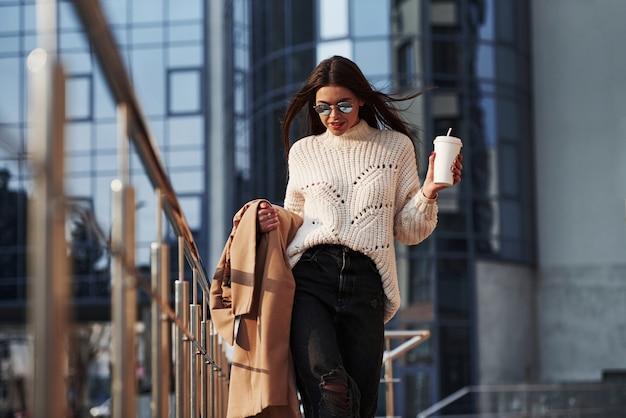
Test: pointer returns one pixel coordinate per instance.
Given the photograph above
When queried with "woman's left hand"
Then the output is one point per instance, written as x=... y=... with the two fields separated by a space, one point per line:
x=430 y=188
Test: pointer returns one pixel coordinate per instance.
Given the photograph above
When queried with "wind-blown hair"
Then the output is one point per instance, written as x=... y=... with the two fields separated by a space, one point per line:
x=378 y=110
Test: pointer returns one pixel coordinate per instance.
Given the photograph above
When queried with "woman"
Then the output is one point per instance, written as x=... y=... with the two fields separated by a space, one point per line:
x=354 y=181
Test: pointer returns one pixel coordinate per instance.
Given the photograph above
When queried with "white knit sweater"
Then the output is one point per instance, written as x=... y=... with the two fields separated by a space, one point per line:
x=360 y=190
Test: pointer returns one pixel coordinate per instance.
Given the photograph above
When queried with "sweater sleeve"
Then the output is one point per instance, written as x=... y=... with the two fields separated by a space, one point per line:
x=416 y=215
x=294 y=200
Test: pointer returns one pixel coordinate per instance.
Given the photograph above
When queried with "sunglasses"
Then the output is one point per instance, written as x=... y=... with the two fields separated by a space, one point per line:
x=324 y=108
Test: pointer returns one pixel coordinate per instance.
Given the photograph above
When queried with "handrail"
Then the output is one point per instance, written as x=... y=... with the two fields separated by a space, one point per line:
x=580 y=388
x=110 y=61
x=445 y=402
x=415 y=337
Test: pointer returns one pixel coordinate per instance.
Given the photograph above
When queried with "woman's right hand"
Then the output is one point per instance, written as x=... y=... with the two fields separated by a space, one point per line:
x=267 y=217
x=430 y=188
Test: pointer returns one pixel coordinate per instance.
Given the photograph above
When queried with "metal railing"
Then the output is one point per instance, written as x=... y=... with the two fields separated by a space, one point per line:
x=601 y=400
x=183 y=335
x=411 y=340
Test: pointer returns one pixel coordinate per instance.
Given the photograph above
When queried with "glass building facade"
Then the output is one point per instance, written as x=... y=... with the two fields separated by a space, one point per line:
x=164 y=47
x=474 y=52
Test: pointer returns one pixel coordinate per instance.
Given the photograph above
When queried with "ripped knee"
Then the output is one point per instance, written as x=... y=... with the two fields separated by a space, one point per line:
x=340 y=396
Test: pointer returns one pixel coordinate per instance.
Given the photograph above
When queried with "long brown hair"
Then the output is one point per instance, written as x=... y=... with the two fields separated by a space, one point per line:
x=378 y=110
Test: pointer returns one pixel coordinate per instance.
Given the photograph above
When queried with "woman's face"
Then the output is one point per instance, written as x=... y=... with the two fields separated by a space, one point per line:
x=338 y=122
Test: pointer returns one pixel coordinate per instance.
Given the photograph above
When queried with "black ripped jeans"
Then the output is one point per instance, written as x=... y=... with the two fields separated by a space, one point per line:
x=337 y=332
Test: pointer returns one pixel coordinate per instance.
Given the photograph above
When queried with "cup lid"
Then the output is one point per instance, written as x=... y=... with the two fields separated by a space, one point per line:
x=450 y=139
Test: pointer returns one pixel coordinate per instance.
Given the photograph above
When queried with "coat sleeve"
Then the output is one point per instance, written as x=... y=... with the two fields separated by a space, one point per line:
x=220 y=300
x=232 y=287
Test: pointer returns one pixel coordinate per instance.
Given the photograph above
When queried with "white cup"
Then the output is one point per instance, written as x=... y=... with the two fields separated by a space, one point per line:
x=447 y=148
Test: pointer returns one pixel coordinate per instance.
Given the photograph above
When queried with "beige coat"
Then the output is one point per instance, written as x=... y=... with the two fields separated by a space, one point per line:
x=253 y=281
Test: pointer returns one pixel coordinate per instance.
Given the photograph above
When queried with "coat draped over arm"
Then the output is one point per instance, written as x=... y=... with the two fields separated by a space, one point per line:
x=251 y=299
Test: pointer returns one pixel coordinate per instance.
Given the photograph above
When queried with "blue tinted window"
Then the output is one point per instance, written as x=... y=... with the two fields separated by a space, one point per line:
x=105 y=136
x=147 y=35
x=148 y=74
x=328 y=49
x=370 y=17
x=115 y=11
x=67 y=16
x=188 y=182
x=78 y=103
x=9 y=86
x=187 y=32
x=374 y=58
x=191 y=10
x=104 y=107
x=30 y=23
x=187 y=55
x=487 y=28
x=192 y=207
x=147 y=10
x=9 y=19
x=184 y=91
x=186 y=131
x=485 y=66
x=78 y=137
x=333 y=19
x=9 y=44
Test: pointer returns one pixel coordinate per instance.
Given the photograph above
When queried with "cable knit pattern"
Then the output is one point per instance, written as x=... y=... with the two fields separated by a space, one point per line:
x=360 y=190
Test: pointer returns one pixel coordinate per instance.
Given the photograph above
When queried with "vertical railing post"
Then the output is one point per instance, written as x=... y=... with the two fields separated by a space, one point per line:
x=194 y=360
x=182 y=344
x=388 y=376
x=211 y=370
x=123 y=292
x=218 y=392
x=181 y=296
x=413 y=339
x=206 y=365
x=48 y=272
x=160 y=324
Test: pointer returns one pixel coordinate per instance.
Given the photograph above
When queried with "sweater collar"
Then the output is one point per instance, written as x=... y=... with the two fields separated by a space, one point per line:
x=359 y=131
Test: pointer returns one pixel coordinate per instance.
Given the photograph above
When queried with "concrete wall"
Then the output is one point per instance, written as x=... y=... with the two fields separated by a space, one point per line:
x=580 y=130
x=507 y=339
x=580 y=146
x=582 y=324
